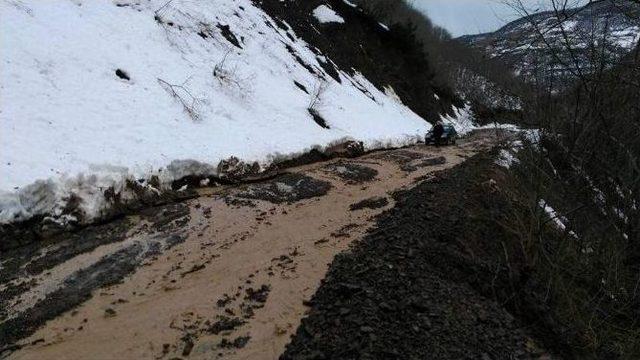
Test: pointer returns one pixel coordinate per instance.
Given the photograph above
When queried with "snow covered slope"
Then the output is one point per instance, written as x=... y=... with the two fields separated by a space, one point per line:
x=95 y=93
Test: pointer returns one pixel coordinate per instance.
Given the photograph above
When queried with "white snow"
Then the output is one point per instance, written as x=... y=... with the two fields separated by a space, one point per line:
x=391 y=93
x=626 y=38
x=350 y=3
x=463 y=121
x=69 y=127
x=325 y=14
x=552 y=214
x=506 y=158
x=559 y=221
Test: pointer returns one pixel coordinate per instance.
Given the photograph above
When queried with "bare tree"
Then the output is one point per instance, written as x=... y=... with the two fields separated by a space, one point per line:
x=181 y=93
x=588 y=164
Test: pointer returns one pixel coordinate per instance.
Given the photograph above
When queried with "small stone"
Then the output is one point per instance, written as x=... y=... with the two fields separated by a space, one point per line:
x=109 y=312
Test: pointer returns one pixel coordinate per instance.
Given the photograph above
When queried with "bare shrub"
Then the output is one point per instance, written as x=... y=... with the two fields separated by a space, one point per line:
x=181 y=93
x=587 y=166
x=228 y=76
x=319 y=88
x=315 y=100
x=455 y=61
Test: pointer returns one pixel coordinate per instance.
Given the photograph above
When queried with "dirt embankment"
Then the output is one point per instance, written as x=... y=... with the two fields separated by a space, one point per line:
x=226 y=274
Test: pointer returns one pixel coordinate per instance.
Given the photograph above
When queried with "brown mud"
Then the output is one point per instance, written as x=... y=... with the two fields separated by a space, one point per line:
x=222 y=275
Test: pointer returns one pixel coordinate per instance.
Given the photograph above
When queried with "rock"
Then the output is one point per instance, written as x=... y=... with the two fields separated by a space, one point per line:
x=234 y=169
x=346 y=149
x=371 y=203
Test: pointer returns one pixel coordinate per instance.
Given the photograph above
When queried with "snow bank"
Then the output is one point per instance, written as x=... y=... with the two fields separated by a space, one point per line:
x=98 y=94
x=325 y=14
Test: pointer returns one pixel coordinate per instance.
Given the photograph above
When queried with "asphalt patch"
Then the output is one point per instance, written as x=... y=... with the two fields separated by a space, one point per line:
x=168 y=217
x=77 y=288
x=24 y=261
x=417 y=164
x=351 y=173
x=400 y=157
x=37 y=257
x=288 y=188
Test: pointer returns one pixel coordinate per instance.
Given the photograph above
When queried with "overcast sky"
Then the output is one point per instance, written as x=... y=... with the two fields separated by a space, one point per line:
x=463 y=17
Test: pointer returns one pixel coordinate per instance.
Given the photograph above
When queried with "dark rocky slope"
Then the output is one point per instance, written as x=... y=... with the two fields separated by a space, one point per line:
x=430 y=281
x=385 y=56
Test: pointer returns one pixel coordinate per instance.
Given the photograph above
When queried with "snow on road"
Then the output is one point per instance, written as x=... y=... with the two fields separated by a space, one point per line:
x=97 y=92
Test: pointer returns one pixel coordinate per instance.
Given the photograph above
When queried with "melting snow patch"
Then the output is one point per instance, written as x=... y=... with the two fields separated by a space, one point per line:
x=350 y=3
x=462 y=121
x=552 y=214
x=391 y=93
x=325 y=14
x=559 y=221
x=506 y=158
x=532 y=135
x=621 y=215
x=284 y=188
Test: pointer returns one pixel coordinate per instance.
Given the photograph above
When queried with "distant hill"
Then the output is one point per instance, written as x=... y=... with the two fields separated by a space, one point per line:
x=536 y=44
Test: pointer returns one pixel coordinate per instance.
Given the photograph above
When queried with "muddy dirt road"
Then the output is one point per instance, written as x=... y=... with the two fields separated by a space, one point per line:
x=223 y=275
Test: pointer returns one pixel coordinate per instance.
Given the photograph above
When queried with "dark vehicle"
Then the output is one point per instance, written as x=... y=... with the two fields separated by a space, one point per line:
x=449 y=136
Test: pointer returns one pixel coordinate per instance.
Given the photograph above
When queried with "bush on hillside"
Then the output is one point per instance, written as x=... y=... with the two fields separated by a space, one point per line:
x=454 y=61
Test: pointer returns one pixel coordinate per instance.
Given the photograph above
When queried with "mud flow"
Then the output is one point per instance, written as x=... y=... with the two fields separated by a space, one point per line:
x=225 y=275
